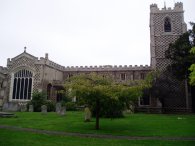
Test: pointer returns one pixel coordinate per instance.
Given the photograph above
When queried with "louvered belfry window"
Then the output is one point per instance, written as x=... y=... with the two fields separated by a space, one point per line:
x=167 y=25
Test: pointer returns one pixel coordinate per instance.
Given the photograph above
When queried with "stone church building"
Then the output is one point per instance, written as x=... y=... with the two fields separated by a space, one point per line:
x=26 y=73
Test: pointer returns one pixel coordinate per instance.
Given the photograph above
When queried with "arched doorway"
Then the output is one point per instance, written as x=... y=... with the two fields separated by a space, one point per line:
x=49 y=88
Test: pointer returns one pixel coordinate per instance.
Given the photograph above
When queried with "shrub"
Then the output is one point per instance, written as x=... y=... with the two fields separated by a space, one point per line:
x=50 y=105
x=70 y=106
x=39 y=99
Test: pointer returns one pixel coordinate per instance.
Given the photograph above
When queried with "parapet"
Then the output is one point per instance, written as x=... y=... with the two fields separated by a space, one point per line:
x=55 y=65
x=178 y=7
x=107 y=68
x=154 y=7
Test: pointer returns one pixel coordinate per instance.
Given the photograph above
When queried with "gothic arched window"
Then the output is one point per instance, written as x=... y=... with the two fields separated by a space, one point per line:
x=22 y=85
x=167 y=25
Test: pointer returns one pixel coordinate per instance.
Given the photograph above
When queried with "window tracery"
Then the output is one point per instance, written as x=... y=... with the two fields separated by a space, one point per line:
x=22 y=85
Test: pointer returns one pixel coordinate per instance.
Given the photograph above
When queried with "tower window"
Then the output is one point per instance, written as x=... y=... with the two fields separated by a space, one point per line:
x=167 y=25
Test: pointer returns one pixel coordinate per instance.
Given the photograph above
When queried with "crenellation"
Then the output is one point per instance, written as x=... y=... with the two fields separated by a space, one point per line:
x=106 y=68
x=51 y=63
x=178 y=6
x=152 y=6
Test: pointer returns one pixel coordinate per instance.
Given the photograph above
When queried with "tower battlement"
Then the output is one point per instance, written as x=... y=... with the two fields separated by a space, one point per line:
x=178 y=7
x=153 y=6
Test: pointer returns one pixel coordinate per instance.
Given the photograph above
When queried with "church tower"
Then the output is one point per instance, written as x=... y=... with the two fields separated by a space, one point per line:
x=166 y=25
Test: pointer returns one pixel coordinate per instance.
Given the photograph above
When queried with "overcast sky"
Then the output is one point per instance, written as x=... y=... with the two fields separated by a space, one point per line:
x=81 y=32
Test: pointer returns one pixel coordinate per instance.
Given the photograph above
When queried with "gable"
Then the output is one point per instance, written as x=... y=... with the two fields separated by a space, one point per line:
x=22 y=60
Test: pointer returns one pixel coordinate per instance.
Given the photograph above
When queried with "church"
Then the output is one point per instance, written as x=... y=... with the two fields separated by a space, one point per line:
x=25 y=73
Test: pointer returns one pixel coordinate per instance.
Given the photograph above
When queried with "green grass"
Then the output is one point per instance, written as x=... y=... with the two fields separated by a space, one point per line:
x=13 y=138
x=131 y=125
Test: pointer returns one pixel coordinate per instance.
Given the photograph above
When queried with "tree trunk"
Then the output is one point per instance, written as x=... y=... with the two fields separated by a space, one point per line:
x=97 y=114
x=186 y=93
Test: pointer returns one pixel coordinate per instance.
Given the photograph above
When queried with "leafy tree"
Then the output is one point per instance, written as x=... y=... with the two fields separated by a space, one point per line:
x=180 y=56
x=161 y=86
x=101 y=94
x=192 y=69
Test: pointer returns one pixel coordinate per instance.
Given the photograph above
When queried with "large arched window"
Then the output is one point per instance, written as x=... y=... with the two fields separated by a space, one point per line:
x=167 y=24
x=22 y=85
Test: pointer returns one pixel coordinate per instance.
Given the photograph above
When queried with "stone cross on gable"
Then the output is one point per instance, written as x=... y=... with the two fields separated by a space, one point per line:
x=25 y=49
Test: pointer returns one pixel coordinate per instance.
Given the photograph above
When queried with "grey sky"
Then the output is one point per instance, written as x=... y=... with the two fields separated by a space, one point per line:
x=80 y=32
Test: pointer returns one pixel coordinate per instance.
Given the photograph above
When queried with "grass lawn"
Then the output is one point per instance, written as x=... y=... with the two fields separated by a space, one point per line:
x=131 y=125
x=13 y=138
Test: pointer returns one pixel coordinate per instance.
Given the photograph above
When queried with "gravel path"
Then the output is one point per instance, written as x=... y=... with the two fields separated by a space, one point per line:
x=97 y=135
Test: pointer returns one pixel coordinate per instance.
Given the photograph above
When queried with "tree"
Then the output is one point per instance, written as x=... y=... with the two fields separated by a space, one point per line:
x=102 y=94
x=181 y=59
x=192 y=69
x=180 y=56
x=161 y=86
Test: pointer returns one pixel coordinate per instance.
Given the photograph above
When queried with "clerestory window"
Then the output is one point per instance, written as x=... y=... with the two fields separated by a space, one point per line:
x=22 y=85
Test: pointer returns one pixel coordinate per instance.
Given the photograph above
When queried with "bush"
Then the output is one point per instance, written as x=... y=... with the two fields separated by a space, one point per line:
x=39 y=99
x=70 y=106
x=50 y=105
